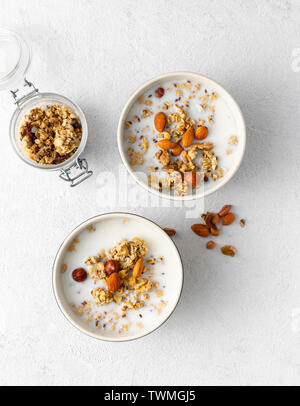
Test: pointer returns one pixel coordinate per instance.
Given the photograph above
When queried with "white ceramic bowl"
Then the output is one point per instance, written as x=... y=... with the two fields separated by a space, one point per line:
x=110 y=229
x=205 y=82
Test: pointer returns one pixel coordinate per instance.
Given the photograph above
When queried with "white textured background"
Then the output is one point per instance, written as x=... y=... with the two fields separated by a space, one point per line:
x=237 y=322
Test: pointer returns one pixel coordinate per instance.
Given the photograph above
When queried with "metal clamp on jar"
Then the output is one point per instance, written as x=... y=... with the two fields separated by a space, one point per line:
x=15 y=60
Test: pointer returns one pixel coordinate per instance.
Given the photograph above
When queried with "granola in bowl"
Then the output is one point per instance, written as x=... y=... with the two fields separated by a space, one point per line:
x=186 y=135
x=126 y=289
x=50 y=135
x=124 y=278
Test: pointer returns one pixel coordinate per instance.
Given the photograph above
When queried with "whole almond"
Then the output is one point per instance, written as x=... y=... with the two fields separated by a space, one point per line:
x=201 y=230
x=215 y=231
x=201 y=133
x=138 y=268
x=177 y=150
x=188 y=137
x=113 y=282
x=228 y=219
x=166 y=144
x=192 y=178
x=229 y=251
x=170 y=231
x=160 y=122
x=215 y=219
x=226 y=209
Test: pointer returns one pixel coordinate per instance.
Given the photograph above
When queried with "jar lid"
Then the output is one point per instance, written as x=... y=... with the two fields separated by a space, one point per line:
x=14 y=59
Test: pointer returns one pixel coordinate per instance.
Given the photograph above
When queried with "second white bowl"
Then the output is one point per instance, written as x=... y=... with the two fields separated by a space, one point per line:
x=140 y=174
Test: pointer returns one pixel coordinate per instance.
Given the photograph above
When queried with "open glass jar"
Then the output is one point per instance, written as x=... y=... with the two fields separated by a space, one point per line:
x=14 y=63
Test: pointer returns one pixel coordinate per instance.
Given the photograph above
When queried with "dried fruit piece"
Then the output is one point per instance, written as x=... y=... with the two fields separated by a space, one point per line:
x=112 y=267
x=170 y=231
x=113 y=282
x=79 y=275
x=243 y=223
x=160 y=122
x=138 y=268
x=201 y=133
x=226 y=209
x=192 y=178
x=188 y=137
x=177 y=150
x=229 y=251
x=228 y=219
x=166 y=144
x=210 y=245
x=201 y=230
x=160 y=92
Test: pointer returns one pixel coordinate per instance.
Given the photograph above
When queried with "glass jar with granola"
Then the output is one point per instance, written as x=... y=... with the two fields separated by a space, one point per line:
x=48 y=131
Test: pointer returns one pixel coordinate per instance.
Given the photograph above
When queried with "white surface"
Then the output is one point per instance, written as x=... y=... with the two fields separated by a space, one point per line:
x=235 y=322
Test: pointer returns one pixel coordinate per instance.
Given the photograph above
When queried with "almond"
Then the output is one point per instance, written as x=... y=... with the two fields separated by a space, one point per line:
x=160 y=122
x=192 y=178
x=215 y=231
x=210 y=245
x=170 y=231
x=188 y=137
x=166 y=144
x=243 y=223
x=138 y=268
x=177 y=150
x=228 y=219
x=113 y=282
x=201 y=133
x=226 y=209
x=201 y=230
x=208 y=219
x=215 y=219
x=229 y=251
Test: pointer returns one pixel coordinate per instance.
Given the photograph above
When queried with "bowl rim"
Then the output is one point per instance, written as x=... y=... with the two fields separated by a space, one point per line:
x=60 y=99
x=55 y=272
x=150 y=83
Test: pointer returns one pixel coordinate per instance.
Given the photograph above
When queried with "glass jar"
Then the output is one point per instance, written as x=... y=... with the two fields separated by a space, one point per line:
x=15 y=60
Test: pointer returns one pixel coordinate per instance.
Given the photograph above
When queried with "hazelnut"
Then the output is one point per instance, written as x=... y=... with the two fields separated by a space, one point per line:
x=160 y=92
x=112 y=267
x=79 y=275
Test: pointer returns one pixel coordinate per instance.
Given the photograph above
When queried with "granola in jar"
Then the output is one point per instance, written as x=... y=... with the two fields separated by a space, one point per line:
x=50 y=135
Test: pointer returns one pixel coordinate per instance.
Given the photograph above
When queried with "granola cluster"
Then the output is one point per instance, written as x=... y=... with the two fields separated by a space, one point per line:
x=52 y=135
x=127 y=253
